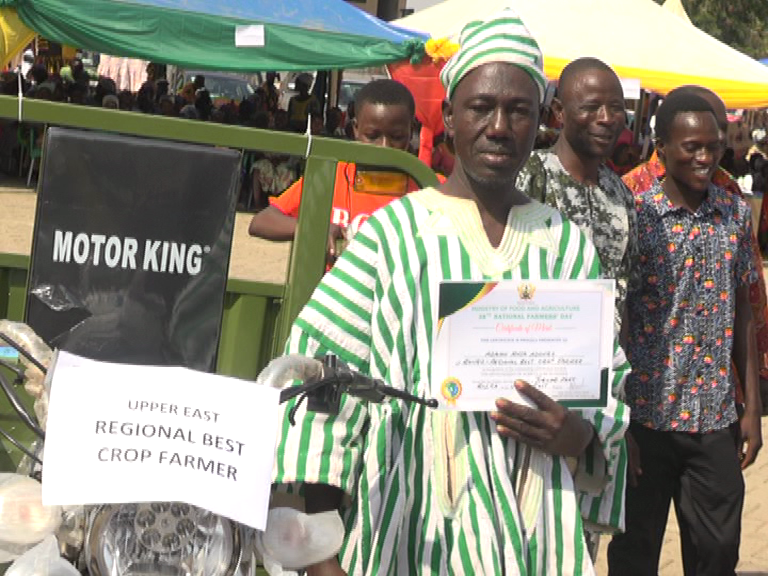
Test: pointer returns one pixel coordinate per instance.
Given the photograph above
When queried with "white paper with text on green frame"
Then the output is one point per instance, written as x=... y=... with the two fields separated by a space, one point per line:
x=530 y=330
x=124 y=433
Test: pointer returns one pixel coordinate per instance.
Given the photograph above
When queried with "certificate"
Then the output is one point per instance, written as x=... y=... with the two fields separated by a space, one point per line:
x=557 y=335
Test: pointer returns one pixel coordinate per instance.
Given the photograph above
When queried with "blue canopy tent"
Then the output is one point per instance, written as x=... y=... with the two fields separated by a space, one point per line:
x=233 y=35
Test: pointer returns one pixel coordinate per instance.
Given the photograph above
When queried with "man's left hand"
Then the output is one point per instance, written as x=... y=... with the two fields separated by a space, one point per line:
x=752 y=436
x=550 y=427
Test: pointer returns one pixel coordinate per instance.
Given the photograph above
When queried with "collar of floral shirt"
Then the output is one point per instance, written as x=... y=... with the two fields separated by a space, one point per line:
x=716 y=200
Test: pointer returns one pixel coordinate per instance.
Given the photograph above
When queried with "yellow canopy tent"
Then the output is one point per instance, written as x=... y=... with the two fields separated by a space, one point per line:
x=15 y=35
x=638 y=38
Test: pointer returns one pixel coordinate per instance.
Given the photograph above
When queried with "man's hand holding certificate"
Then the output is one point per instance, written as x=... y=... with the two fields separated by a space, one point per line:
x=555 y=335
x=548 y=427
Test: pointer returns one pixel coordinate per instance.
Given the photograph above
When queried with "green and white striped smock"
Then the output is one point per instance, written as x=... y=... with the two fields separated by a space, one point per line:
x=431 y=492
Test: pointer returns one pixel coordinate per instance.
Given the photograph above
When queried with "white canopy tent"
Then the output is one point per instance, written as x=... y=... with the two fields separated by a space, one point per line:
x=638 y=38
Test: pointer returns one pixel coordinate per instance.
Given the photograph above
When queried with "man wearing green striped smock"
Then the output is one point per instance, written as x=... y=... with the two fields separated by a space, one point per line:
x=431 y=492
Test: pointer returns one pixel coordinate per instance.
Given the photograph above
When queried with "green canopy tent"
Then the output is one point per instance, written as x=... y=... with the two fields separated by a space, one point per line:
x=232 y=35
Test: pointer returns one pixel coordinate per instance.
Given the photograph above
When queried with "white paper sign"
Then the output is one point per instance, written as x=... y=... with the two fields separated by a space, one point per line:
x=631 y=88
x=249 y=36
x=555 y=335
x=122 y=433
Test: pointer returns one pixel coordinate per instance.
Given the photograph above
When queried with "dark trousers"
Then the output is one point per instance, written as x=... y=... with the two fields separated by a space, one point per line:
x=702 y=475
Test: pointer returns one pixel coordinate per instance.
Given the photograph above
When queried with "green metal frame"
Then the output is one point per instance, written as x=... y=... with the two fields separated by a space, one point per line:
x=257 y=316
x=306 y=259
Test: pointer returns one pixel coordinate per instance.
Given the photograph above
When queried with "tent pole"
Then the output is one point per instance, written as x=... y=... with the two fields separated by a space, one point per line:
x=334 y=84
x=637 y=128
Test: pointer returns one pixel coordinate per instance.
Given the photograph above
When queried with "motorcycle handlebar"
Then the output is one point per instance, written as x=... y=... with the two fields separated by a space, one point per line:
x=325 y=381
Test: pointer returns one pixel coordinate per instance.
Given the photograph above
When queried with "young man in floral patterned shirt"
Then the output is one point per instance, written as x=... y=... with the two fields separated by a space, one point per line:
x=643 y=177
x=689 y=322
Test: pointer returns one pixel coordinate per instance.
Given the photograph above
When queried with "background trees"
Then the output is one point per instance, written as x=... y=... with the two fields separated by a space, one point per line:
x=742 y=24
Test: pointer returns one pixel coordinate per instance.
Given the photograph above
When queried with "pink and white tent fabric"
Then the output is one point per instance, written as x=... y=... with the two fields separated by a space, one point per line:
x=128 y=73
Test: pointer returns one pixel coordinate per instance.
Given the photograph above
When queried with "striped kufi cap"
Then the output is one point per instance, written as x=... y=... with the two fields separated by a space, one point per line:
x=501 y=38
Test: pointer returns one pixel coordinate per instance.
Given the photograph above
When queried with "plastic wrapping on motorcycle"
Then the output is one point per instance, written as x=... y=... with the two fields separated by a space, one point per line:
x=131 y=247
x=42 y=560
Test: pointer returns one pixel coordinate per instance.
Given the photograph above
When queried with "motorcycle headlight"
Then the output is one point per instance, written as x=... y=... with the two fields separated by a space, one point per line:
x=161 y=538
x=24 y=521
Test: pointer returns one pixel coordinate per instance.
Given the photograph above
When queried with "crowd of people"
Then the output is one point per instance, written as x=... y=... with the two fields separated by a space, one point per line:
x=266 y=175
x=74 y=85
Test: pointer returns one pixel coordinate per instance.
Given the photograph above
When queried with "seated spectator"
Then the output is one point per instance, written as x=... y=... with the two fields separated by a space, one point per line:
x=280 y=120
x=111 y=102
x=317 y=126
x=38 y=74
x=166 y=106
x=126 y=100
x=245 y=111
x=262 y=120
x=229 y=113
x=104 y=86
x=145 y=99
x=259 y=100
x=46 y=90
x=161 y=88
x=190 y=89
x=204 y=104
x=218 y=116
x=75 y=73
x=333 y=122
x=189 y=112
x=59 y=90
x=11 y=84
x=271 y=94
x=178 y=104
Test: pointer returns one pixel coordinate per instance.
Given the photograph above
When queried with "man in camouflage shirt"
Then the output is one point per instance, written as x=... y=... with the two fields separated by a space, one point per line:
x=572 y=175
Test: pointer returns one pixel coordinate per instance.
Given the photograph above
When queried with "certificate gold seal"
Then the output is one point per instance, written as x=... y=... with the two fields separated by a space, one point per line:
x=451 y=390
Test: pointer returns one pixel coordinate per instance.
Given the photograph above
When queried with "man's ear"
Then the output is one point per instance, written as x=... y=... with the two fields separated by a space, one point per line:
x=448 y=118
x=660 y=150
x=557 y=110
x=354 y=127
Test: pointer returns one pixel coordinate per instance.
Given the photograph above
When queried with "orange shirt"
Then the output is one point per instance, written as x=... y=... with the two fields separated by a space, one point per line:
x=350 y=207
